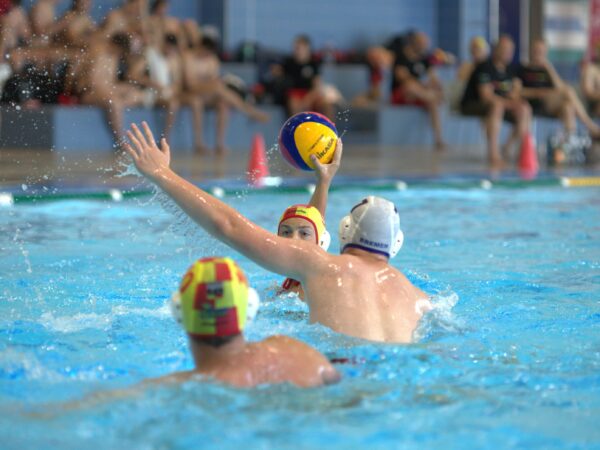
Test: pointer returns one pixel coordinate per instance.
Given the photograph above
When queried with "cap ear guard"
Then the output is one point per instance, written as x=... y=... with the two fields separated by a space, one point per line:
x=175 y=306
x=397 y=244
x=345 y=231
x=325 y=240
x=253 y=305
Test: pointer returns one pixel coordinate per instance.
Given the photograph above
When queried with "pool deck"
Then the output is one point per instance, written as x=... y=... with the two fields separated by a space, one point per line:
x=22 y=169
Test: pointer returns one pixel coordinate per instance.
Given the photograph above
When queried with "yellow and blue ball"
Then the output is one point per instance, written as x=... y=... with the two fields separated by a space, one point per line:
x=306 y=134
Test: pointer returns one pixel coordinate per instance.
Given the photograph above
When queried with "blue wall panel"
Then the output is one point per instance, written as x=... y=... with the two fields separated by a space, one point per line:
x=343 y=24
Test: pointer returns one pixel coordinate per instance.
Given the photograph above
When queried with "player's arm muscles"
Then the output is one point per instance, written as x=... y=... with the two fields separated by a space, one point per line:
x=292 y=258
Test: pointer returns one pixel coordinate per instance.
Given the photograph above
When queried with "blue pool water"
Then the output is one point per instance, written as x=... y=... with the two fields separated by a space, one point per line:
x=509 y=359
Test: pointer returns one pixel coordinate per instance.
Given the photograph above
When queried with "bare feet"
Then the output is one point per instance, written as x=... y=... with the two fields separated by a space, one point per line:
x=440 y=146
x=201 y=149
x=221 y=150
x=497 y=163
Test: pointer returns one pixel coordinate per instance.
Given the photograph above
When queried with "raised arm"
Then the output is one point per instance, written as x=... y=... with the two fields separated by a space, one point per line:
x=325 y=174
x=289 y=257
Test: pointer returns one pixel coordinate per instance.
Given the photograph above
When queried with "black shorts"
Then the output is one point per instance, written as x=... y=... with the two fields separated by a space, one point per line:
x=481 y=109
x=540 y=108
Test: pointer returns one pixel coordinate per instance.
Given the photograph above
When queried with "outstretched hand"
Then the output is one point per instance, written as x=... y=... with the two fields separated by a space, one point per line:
x=326 y=172
x=150 y=160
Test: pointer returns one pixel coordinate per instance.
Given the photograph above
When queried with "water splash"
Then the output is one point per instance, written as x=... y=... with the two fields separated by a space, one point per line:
x=441 y=320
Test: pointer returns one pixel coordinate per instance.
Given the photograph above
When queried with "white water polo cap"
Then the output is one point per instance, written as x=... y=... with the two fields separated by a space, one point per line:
x=372 y=225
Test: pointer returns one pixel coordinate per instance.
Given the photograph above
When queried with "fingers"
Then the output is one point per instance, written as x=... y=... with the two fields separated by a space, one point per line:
x=148 y=132
x=316 y=162
x=136 y=143
x=131 y=152
x=339 y=149
x=139 y=135
x=164 y=146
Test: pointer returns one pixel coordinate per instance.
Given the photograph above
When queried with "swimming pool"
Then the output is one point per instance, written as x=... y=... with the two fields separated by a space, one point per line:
x=510 y=358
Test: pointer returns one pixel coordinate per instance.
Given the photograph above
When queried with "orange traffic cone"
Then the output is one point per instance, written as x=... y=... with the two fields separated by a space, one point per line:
x=258 y=166
x=528 y=161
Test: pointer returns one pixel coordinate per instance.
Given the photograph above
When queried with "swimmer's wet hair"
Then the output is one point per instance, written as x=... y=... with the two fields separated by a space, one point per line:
x=215 y=341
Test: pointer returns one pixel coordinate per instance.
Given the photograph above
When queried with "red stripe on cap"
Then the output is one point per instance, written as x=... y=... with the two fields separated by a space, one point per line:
x=227 y=324
x=222 y=272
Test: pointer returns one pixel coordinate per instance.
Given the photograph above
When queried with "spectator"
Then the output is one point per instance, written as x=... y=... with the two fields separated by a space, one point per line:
x=480 y=51
x=154 y=72
x=415 y=82
x=549 y=95
x=43 y=21
x=131 y=17
x=102 y=80
x=77 y=27
x=493 y=92
x=201 y=79
x=304 y=88
x=161 y=24
x=590 y=83
x=14 y=29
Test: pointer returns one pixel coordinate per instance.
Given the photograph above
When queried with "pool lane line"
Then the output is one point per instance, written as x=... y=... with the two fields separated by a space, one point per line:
x=580 y=182
x=117 y=195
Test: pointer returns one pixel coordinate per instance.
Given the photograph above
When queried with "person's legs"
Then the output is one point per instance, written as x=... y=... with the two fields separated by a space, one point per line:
x=225 y=94
x=197 y=106
x=493 y=124
x=521 y=111
x=171 y=108
x=580 y=111
x=222 y=110
x=432 y=100
x=314 y=100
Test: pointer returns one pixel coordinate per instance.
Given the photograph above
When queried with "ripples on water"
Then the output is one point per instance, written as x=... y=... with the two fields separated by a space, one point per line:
x=509 y=357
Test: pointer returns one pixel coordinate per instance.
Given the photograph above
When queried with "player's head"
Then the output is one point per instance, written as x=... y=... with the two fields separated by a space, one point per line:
x=214 y=302
x=504 y=49
x=479 y=49
x=304 y=222
x=302 y=48
x=373 y=225
x=539 y=51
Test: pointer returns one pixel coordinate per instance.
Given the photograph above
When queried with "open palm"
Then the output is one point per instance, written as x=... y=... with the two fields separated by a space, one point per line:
x=147 y=157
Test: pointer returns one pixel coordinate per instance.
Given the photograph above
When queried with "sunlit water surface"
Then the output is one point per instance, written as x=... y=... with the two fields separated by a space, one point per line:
x=510 y=357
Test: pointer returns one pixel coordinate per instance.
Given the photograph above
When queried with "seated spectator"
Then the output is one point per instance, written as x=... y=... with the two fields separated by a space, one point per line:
x=131 y=17
x=590 y=83
x=201 y=78
x=549 y=95
x=415 y=82
x=43 y=21
x=480 y=52
x=15 y=30
x=76 y=25
x=304 y=87
x=102 y=80
x=157 y=71
x=493 y=92
x=160 y=24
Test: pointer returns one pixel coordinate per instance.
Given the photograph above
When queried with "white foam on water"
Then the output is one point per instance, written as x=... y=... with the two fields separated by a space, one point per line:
x=82 y=321
x=441 y=318
x=33 y=369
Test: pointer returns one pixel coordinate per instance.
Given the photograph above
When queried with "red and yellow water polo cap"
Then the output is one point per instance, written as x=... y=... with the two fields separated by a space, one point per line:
x=313 y=216
x=213 y=299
